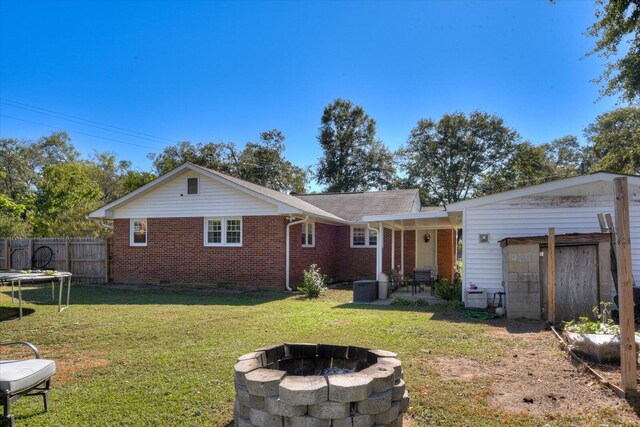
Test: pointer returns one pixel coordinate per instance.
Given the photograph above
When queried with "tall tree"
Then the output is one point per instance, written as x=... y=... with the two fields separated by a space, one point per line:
x=618 y=24
x=353 y=159
x=210 y=155
x=615 y=137
x=448 y=158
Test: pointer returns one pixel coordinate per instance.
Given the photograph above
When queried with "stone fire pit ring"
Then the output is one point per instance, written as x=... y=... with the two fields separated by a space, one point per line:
x=309 y=385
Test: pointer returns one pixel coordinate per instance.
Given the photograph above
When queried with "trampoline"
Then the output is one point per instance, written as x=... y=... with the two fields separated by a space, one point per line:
x=13 y=278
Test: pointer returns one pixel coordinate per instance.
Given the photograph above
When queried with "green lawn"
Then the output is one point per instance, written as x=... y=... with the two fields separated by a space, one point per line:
x=155 y=358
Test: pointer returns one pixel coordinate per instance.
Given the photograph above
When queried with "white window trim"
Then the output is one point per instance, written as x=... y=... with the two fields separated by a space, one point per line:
x=186 y=191
x=313 y=234
x=223 y=220
x=366 y=237
x=146 y=235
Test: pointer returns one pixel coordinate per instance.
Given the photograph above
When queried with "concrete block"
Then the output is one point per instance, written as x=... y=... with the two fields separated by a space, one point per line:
x=384 y=353
x=342 y=422
x=375 y=404
x=243 y=422
x=350 y=387
x=262 y=418
x=398 y=390
x=306 y=421
x=240 y=411
x=518 y=267
x=256 y=402
x=244 y=367
x=390 y=415
x=300 y=350
x=363 y=420
x=261 y=356
x=395 y=364
x=512 y=257
x=404 y=403
x=529 y=257
x=383 y=377
x=276 y=406
x=329 y=410
x=243 y=396
x=264 y=382
x=273 y=352
x=308 y=390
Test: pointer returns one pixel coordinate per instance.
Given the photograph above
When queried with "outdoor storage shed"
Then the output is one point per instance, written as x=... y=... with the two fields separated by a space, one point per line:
x=583 y=275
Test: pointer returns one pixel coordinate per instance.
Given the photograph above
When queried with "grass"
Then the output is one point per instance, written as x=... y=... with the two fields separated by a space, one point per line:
x=138 y=358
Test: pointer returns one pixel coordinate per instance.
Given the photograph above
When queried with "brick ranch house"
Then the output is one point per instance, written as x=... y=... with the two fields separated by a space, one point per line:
x=194 y=225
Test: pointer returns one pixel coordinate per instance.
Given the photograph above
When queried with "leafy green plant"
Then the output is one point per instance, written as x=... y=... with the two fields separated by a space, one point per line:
x=448 y=291
x=402 y=301
x=314 y=282
x=603 y=325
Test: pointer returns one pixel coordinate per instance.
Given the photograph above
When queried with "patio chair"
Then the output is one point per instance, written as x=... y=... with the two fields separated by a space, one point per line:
x=421 y=278
x=397 y=280
x=30 y=377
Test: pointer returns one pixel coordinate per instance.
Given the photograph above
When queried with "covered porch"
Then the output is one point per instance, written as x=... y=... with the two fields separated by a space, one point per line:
x=405 y=242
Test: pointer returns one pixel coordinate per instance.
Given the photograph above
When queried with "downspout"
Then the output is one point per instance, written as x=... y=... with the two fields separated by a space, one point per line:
x=380 y=233
x=306 y=218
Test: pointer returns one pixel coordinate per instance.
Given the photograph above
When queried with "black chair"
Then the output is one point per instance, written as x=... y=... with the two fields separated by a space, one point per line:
x=29 y=377
x=421 y=278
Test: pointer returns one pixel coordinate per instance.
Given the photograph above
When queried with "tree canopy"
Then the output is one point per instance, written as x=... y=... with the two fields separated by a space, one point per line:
x=448 y=158
x=353 y=159
x=618 y=29
x=615 y=140
x=261 y=162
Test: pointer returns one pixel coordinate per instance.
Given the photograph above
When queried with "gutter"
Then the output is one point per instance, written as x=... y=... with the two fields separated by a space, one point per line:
x=306 y=218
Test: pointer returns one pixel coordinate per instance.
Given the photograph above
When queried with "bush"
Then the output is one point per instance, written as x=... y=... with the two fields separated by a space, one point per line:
x=405 y=302
x=314 y=282
x=448 y=291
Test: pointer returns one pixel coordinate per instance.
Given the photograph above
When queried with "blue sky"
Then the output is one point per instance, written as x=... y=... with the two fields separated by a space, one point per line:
x=225 y=71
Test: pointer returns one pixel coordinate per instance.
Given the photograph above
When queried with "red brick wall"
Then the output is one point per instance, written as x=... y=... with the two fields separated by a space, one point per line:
x=175 y=253
x=353 y=263
x=446 y=253
x=409 y=252
x=398 y=253
x=324 y=254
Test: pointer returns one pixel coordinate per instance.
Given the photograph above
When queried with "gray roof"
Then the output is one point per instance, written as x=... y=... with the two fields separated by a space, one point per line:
x=431 y=208
x=353 y=206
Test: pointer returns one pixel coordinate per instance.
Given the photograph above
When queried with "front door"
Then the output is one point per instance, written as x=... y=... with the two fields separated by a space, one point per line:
x=426 y=248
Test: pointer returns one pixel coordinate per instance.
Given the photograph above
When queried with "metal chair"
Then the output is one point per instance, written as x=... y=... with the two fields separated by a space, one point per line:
x=29 y=377
x=421 y=277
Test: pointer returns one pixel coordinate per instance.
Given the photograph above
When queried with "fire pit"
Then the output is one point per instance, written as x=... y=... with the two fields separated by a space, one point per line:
x=310 y=385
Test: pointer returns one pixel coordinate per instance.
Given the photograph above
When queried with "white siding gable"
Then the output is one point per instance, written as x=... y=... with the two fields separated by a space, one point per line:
x=170 y=199
x=569 y=210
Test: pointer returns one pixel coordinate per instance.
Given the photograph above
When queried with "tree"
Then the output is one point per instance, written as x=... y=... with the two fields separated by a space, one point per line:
x=260 y=162
x=353 y=159
x=618 y=23
x=263 y=163
x=67 y=193
x=615 y=138
x=447 y=159
x=115 y=178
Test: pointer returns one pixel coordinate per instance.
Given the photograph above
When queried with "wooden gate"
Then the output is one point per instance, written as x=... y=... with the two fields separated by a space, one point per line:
x=577 y=284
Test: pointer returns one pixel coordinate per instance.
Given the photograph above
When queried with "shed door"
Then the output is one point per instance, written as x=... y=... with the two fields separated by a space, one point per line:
x=577 y=290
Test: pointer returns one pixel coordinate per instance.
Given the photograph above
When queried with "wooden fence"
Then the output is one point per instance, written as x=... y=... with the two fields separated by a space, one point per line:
x=86 y=258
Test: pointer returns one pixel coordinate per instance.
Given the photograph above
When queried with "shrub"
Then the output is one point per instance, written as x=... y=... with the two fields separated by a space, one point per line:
x=448 y=291
x=401 y=301
x=603 y=325
x=314 y=282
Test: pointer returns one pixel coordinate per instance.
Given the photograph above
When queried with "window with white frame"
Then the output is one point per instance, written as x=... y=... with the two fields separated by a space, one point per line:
x=308 y=234
x=138 y=232
x=223 y=232
x=363 y=237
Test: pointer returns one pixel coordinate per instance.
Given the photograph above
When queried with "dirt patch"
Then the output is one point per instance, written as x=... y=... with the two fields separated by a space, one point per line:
x=536 y=377
x=68 y=367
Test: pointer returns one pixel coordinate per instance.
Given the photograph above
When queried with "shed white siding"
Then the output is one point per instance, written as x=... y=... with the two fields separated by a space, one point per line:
x=213 y=199
x=570 y=210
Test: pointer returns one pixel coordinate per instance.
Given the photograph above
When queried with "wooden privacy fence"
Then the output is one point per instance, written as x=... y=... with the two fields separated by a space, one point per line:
x=86 y=258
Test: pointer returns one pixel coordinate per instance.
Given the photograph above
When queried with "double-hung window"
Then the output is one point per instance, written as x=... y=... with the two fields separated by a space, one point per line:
x=223 y=232
x=138 y=232
x=363 y=237
x=308 y=234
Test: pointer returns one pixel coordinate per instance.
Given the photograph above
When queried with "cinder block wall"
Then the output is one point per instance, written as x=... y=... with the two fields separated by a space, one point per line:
x=521 y=273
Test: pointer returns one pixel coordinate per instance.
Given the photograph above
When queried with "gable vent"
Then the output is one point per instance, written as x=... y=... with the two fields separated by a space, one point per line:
x=192 y=185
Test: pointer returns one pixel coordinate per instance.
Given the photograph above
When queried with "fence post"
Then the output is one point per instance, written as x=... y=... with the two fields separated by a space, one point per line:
x=551 y=275
x=67 y=255
x=7 y=257
x=29 y=255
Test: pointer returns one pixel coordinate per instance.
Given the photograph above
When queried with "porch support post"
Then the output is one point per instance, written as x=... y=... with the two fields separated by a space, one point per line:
x=393 y=248
x=402 y=251
x=380 y=245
